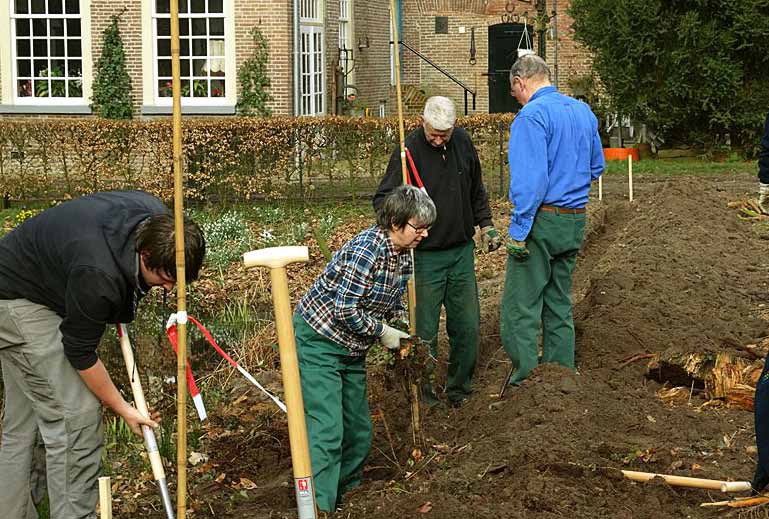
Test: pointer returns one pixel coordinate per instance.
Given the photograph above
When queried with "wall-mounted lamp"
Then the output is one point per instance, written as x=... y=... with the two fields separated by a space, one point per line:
x=363 y=43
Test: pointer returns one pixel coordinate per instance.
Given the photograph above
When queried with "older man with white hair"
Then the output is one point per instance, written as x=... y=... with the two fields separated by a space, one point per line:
x=448 y=168
x=555 y=153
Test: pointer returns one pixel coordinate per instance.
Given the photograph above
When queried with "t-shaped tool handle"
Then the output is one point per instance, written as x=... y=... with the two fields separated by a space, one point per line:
x=276 y=259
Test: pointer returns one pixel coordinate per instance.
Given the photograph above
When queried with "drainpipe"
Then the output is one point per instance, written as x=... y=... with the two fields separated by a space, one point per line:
x=297 y=57
x=555 y=42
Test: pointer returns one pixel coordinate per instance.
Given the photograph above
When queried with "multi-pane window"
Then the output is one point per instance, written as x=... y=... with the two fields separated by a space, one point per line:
x=309 y=10
x=47 y=49
x=311 y=58
x=201 y=49
x=312 y=70
x=346 y=53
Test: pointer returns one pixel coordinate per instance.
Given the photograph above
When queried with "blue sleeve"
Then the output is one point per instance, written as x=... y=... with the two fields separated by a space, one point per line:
x=527 y=154
x=357 y=269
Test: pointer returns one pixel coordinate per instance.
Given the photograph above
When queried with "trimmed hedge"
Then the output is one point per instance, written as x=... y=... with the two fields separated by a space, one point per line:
x=226 y=159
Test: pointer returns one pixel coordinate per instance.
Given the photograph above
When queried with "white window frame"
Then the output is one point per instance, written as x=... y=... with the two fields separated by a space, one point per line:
x=312 y=58
x=150 y=89
x=346 y=39
x=8 y=58
x=312 y=71
x=311 y=11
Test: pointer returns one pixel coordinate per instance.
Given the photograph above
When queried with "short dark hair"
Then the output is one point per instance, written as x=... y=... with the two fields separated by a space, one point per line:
x=155 y=239
x=404 y=203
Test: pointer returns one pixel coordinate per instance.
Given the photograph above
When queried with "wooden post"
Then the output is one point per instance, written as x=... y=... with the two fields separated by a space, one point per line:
x=630 y=175
x=105 y=498
x=276 y=259
x=181 y=286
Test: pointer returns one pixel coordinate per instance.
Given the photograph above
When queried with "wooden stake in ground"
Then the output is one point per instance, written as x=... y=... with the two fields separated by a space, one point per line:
x=682 y=481
x=412 y=293
x=630 y=176
x=276 y=259
x=105 y=498
x=181 y=286
x=141 y=405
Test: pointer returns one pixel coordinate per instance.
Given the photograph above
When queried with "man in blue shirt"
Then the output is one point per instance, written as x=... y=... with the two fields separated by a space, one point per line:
x=555 y=153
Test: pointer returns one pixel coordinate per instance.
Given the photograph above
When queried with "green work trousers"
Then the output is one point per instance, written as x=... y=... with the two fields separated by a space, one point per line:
x=44 y=395
x=538 y=293
x=336 y=409
x=447 y=278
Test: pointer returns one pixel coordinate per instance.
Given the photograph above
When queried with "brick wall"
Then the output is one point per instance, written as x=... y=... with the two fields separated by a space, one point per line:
x=372 y=65
x=273 y=18
x=452 y=51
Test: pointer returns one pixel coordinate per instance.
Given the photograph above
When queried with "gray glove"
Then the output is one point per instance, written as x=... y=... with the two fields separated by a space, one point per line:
x=763 y=197
x=490 y=240
x=391 y=338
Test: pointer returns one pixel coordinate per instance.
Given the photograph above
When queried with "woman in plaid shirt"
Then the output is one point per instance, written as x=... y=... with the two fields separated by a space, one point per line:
x=337 y=321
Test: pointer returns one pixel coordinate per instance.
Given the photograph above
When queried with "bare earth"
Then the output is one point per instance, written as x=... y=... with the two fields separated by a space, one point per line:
x=675 y=268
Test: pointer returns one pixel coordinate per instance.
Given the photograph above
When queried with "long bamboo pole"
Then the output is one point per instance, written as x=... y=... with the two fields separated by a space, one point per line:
x=181 y=286
x=412 y=292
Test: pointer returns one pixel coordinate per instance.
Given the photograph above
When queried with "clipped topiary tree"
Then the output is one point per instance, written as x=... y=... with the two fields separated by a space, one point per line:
x=111 y=98
x=253 y=79
x=692 y=70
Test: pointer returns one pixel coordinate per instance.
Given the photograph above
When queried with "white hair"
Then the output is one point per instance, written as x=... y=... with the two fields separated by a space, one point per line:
x=440 y=113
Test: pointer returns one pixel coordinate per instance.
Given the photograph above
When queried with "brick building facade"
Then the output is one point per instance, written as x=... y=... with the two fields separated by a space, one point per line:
x=50 y=48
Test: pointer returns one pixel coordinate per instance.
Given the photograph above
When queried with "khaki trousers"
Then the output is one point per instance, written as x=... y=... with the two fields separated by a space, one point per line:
x=45 y=396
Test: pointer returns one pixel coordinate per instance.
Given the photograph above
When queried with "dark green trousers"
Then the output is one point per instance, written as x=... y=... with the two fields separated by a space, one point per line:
x=336 y=409
x=447 y=278
x=538 y=293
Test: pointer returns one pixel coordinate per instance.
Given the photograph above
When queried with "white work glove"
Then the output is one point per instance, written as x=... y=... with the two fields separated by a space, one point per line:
x=391 y=338
x=763 y=197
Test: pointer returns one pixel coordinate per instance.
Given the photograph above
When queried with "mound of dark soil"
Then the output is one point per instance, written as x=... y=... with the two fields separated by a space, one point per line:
x=674 y=269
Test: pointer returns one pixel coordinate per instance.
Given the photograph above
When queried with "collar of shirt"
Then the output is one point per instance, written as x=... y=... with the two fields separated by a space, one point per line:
x=542 y=91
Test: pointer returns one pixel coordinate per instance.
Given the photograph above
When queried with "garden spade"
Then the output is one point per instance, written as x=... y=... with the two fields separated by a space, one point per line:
x=149 y=436
x=276 y=259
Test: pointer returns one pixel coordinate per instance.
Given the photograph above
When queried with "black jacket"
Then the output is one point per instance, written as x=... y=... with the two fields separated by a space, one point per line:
x=452 y=177
x=763 y=155
x=79 y=259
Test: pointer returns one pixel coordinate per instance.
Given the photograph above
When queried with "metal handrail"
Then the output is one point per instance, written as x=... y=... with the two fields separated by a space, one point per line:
x=442 y=71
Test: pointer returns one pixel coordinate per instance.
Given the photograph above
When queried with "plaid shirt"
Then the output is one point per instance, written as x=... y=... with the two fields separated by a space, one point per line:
x=362 y=285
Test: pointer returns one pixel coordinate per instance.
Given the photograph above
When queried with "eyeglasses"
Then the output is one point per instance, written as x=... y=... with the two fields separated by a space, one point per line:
x=419 y=230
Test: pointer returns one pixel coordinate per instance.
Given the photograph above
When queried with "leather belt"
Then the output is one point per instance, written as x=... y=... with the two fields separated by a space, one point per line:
x=561 y=210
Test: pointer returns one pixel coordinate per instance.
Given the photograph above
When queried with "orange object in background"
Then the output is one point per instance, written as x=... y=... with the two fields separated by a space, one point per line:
x=620 y=153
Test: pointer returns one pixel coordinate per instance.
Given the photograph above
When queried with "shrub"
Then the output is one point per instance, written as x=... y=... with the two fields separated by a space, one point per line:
x=253 y=79
x=111 y=97
x=226 y=159
x=690 y=70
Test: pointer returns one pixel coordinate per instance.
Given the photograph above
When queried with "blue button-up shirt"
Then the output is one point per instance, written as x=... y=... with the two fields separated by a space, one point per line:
x=554 y=153
x=362 y=286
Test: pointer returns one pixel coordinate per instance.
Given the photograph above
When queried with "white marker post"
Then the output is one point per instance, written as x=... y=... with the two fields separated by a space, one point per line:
x=105 y=498
x=600 y=188
x=630 y=175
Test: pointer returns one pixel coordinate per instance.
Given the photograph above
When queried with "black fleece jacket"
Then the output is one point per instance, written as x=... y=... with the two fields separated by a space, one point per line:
x=452 y=176
x=79 y=259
